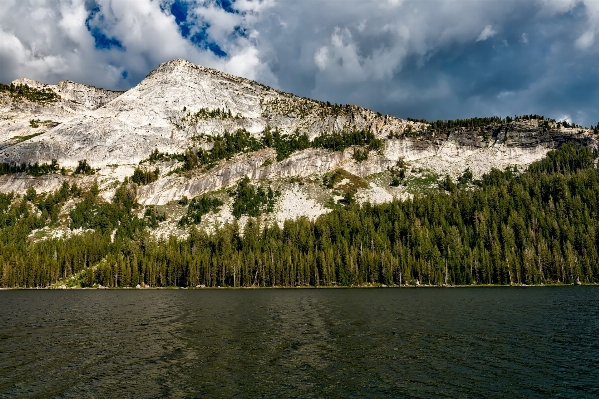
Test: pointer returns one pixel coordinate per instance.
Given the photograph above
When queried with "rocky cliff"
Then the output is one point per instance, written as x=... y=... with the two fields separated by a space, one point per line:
x=162 y=112
x=181 y=106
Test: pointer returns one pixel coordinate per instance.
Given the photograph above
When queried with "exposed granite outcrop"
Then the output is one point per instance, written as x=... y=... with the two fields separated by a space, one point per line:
x=113 y=128
x=89 y=96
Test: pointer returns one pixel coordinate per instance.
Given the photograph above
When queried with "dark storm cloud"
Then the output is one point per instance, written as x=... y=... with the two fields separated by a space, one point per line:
x=438 y=60
x=422 y=59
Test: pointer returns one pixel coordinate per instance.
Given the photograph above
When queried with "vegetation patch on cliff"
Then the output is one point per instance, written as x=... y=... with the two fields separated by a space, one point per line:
x=35 y=169
x=198 y=207
x=241 y=141
x=20 y=139
x=299 y=107
x=205 y=114
x=251 y=200
x=35 y=123
x=143 y=176
x=25 y=92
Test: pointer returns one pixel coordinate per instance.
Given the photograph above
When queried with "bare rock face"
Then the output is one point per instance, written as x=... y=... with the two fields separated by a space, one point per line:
x=162 y=112
x=22 y=119
x=89 y=96
x=20 y=182
x=179 y=104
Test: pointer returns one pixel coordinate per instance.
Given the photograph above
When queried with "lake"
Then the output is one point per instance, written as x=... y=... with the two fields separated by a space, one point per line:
x=305 y=343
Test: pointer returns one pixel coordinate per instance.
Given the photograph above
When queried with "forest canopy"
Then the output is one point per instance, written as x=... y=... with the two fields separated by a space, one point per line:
x=534 y=227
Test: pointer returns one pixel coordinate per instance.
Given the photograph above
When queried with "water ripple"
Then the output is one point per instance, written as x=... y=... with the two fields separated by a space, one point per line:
x=413 y=343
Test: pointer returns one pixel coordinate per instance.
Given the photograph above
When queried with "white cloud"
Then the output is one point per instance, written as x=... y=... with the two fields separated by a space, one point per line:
x=393 y=3
x=524 y=38
x=253 y=7
x=585 y=40
x=565 y=117
x=591 y=7
x=247 y=63
x=551 y=7
x=357 y=43
x=221 y=22
x=56 y=44
x=321 y=57
x=486 y=33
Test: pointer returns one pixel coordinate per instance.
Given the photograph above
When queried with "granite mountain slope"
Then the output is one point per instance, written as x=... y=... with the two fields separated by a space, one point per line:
x=182 y=106
x=156 y=114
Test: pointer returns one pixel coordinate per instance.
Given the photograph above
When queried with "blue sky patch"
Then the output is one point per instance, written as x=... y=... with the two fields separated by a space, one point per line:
x=102 y=41
x=180 y=10
x=215 y=48
x=202 y=40
x=227 y=5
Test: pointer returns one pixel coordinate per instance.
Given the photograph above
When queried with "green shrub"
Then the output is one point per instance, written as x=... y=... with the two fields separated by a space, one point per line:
x=360 y=155
x=152 y=217
x=253 y=201
x=465 y=178
x=198 y=207
x=83 y=168
x=141 y=176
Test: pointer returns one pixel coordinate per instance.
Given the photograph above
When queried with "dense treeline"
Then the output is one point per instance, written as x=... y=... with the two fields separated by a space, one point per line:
x=198 y=207
x=252 y=201
x=142 y=176
x=223 y=147
x=23 y=263
x=32 y=211
x=540 y=226
x=286 y=145
x=35 y=169
x=115 y=217
x=444 y=124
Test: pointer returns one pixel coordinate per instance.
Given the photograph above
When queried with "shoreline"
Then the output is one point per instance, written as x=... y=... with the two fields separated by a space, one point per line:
x=60 y=288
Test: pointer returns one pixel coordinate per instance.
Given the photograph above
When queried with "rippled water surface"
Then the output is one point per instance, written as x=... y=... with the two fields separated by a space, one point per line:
x=469 y=342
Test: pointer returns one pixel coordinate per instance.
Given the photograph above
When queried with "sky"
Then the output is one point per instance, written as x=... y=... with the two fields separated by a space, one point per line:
x=430 y=59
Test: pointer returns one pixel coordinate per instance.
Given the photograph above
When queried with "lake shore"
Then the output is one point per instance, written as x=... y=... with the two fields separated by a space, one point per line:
x=372 y=286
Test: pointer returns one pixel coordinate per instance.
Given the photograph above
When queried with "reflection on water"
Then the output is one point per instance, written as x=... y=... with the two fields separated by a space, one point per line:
x=488 y=342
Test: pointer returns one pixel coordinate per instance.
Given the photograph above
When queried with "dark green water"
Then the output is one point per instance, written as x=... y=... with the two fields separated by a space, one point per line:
x=468 y=342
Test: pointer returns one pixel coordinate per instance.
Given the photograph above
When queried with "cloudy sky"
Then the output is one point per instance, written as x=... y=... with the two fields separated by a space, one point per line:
x=429 y=59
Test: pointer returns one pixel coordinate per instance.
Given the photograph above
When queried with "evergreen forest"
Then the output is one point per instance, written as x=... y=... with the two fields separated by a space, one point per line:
x=538 y=226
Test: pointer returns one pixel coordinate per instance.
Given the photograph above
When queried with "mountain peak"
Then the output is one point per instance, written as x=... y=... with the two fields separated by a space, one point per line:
x=175 y=65
x=182 y=66
x=176 y=62
x=29 y=82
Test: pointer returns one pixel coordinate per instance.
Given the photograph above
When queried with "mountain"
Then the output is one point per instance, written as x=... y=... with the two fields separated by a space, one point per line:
x=198 y=178
x=181 y=110
x=127 y=127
